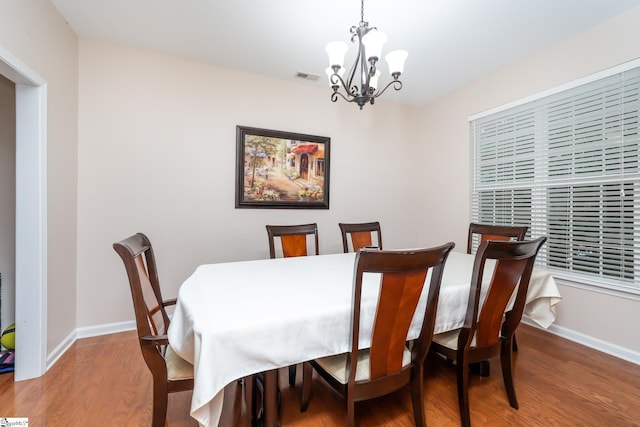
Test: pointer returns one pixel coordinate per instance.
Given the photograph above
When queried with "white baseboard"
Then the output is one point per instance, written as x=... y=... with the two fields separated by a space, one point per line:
x=86 y=332
x=61 y=349
x=109 y=328
x=594 y=343
x=113 y=328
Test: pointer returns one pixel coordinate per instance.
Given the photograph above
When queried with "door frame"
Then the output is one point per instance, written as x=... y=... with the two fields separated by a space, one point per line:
x=31 y=217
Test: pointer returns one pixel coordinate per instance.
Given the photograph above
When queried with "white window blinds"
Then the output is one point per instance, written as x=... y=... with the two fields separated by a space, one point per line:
x=567 y=164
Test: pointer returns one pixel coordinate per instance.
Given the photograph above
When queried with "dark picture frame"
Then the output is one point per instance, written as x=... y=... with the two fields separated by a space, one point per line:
x=281 y=170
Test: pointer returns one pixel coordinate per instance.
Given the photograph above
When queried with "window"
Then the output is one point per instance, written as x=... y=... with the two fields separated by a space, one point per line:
x=567 y=163
x=320 y=167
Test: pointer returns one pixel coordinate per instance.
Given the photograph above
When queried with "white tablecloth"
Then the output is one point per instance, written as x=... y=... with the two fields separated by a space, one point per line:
x=235 y=319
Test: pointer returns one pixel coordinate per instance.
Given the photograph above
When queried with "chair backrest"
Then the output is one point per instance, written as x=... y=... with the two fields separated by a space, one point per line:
x=361 y=235
x=403 y=275
x=170 y=372
x=511 y=273
x=495 y=232
x=137 y=254
x=293 y=239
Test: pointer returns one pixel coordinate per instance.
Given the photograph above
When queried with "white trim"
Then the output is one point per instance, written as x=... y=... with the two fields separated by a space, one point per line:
x=561 y=88
x=61 y=349
x=16 y=71
x=591 y=342
x=108 y=328
x=87 y=332
x=31 y=215
x=31 y=231
x=599 y=288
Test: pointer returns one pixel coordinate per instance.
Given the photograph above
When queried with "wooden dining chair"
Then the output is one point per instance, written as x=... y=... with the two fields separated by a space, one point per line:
x=361 y=235
x=293 y=243
x=494 y=232
x=170 y=372
x=488 y=330
x=389 y=364
x=293 y=239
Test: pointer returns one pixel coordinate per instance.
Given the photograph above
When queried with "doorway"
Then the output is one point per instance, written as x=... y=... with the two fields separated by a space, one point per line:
x=304 y=166
x=31 y=214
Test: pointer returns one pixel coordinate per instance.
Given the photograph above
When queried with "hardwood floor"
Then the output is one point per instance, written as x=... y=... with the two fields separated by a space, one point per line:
x=103 y=381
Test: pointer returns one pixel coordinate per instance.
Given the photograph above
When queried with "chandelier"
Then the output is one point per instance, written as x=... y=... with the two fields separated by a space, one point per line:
x=364 y=89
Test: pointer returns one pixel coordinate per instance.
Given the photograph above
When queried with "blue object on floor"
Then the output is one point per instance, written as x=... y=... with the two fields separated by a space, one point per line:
x=7 y=359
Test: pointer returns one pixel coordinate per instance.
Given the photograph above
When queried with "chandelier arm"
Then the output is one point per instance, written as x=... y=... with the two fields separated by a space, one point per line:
x=334 y=97
x=343 y=84
x=397 y=85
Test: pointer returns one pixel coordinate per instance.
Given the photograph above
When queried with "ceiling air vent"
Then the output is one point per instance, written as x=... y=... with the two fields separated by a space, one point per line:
x=307 y=76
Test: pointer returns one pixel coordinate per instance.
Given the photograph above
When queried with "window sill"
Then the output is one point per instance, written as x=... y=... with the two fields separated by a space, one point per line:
x=601 y=288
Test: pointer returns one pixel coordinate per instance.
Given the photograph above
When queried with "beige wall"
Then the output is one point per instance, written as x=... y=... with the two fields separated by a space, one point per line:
x=444 y=124
x=147 y=143
x=34 y=32
x=157 y=155
x=7 y=199
x=176 y=180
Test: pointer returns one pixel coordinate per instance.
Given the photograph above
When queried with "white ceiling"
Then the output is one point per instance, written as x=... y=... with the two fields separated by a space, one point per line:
x=450 y=42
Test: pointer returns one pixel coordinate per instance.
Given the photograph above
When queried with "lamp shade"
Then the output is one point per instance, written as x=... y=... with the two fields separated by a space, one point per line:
x=336 y=52
x=396 y=59
x=373 y=42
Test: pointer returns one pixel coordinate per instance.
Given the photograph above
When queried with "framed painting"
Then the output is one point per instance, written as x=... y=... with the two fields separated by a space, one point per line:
x=284 y=170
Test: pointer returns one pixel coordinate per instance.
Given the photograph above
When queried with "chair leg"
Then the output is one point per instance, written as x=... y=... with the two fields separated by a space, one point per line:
x=292 y=375
x=271 y=390
x=160 y=400
x=417 y=396
x=515 y=344
x=482 y=368
x=256 y=405
x=248 y=384
x=351 y=411
x=307 y=374
x=462 y=369
x=507 y=372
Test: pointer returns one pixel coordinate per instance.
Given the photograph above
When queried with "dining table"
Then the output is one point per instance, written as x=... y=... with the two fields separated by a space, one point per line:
x=236 y=319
